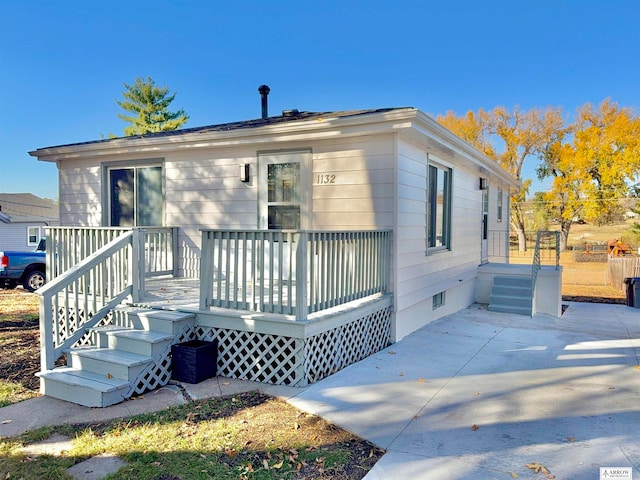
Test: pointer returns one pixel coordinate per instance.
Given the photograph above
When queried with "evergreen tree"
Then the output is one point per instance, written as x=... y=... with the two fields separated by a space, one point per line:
x=148 y=107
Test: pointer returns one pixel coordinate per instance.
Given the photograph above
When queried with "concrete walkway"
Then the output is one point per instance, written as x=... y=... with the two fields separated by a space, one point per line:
x=474 y=395
x=479 y=395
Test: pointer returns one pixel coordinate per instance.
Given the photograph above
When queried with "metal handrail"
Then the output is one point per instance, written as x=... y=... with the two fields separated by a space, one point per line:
x=536 y=263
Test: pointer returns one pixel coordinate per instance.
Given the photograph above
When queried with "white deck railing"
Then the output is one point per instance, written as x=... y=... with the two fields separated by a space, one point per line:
x=92 y=270
x=84 y=295
x=264 y=270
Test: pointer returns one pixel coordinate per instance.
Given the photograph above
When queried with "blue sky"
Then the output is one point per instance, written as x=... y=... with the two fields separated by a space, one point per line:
x=63 y=63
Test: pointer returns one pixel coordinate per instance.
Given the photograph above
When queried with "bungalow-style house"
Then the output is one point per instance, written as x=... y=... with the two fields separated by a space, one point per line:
x=23 y=218
x=300 y=243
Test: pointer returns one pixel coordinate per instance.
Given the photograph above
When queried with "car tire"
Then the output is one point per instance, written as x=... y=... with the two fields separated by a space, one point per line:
x=34 y=280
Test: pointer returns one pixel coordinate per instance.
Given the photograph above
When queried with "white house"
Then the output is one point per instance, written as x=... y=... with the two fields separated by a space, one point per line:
x=389 y=215
x=23 y=218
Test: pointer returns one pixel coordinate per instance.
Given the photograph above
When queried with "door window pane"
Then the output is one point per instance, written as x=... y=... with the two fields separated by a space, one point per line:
x=283 y=195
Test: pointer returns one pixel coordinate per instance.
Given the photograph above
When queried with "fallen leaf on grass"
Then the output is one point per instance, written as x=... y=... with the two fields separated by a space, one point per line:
x=391 y=352
x=474 y=427
x=513 y=474
x=422 y=380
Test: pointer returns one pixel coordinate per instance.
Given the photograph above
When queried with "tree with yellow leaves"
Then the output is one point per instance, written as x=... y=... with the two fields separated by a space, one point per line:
x=521 y=134
x=593 y=164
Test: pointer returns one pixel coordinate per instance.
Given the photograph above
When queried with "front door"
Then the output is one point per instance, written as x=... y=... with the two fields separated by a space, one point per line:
x=484 y=250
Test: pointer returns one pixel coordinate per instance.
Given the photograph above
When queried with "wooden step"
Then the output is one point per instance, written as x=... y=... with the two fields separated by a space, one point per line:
x=141 y=342
x=108 y=362
x=162 y=321
x=84 y=388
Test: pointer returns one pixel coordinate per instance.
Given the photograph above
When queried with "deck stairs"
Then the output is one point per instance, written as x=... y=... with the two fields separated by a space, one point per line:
x=512 y=294
x=119 y=361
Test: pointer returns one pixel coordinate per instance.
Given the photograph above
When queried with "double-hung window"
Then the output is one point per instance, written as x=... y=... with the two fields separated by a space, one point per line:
x=438 y=208
x=135 y=196
x=500 y=202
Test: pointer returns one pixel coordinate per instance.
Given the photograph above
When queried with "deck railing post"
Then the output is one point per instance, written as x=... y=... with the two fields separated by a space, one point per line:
x=137 y=267
x=206 y=268
x=47 y=359
x=301 y=307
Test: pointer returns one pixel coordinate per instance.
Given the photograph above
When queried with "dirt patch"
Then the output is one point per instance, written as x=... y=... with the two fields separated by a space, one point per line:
x=19 y=338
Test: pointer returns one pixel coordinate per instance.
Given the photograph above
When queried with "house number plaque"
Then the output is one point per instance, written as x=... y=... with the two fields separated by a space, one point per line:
x=325 y=179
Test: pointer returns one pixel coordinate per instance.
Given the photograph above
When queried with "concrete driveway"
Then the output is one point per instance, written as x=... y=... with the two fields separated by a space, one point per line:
x=481 y=395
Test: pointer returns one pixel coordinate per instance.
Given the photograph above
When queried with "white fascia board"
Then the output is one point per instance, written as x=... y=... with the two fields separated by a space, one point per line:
x=307 y=130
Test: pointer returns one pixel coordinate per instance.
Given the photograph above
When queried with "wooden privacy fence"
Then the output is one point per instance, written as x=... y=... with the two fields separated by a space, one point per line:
x=621 y=268
x=292 y=272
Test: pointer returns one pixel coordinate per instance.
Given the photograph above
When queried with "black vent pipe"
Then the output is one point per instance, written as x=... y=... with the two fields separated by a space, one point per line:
x=264 y=92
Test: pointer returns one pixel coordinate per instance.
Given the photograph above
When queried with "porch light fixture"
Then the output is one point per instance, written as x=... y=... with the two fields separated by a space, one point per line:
x=483 y=183
x=244 y=173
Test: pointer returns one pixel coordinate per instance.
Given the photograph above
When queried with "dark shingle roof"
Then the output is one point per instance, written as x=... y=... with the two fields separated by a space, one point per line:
x=294 y=116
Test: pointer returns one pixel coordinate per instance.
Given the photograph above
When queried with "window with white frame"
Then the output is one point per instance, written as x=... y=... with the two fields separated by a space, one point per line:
x=499 y=206
x=438 y=208
x=438 y=300
x=34 y=234
x=283 y=189
x=136 y=196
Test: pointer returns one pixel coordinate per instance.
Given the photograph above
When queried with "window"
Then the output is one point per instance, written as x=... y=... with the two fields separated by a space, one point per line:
x=283 y=190
x=283 y=198
x=438 y=300
x=34 y=234
x=499 y=213
x=135 y=196
x=438 y=208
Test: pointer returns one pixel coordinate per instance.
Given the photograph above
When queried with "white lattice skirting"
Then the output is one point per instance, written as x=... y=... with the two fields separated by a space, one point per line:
x=282 y=360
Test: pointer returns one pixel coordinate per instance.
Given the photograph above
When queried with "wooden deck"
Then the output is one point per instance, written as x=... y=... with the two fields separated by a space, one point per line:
x=169 y=293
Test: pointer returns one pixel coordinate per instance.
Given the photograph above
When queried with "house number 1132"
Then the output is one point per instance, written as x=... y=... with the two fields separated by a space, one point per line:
x=325 y=179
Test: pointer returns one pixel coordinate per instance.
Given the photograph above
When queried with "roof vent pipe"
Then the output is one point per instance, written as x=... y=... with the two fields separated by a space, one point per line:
x=264 y=92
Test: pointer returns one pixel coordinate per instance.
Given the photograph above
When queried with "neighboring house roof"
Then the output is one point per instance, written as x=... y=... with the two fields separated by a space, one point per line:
x=292 y=125
x=26 y=207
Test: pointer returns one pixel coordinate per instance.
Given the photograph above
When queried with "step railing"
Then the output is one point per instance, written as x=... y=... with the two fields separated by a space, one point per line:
x=292 y=272
x=549 y=241
x=83 y=296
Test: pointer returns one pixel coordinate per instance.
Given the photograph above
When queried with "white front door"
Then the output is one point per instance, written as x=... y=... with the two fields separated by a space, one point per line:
x=484 y=250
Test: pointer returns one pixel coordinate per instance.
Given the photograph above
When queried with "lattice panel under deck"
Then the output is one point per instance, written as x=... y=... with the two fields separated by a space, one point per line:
x=256 y=356
x=330 y=351
x=158 y=373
